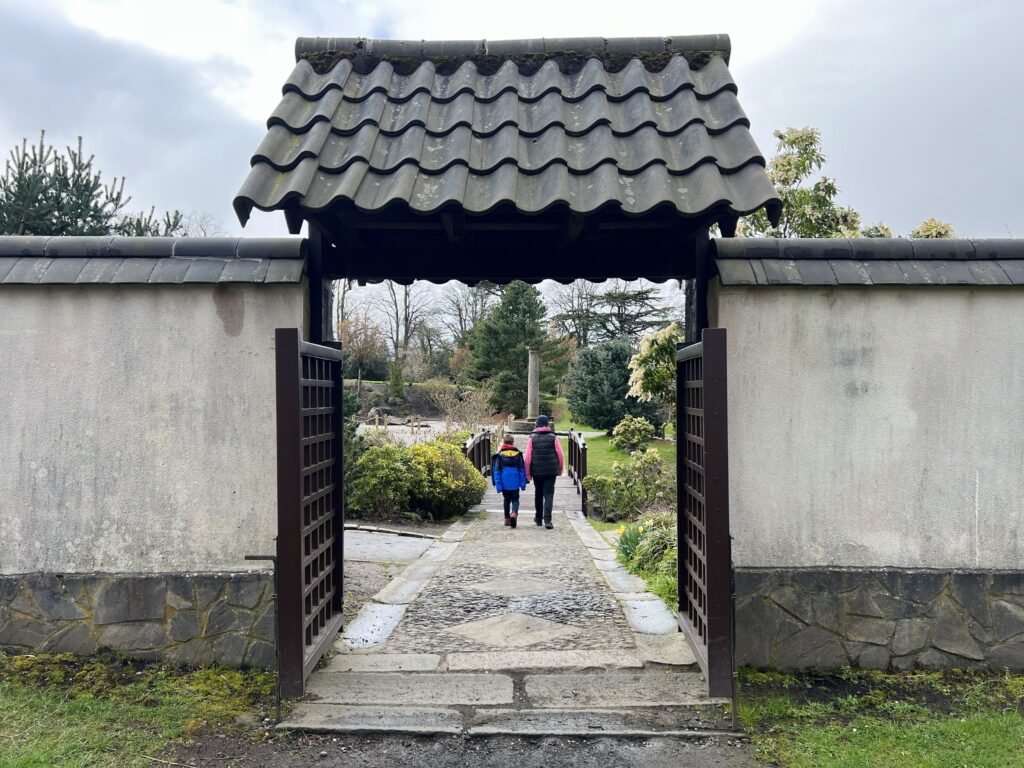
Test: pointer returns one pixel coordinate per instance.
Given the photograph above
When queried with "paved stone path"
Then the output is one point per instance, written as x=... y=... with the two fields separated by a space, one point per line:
x=525 y=631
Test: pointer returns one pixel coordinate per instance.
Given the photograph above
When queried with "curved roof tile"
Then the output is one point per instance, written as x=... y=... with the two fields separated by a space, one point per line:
x=434 y=136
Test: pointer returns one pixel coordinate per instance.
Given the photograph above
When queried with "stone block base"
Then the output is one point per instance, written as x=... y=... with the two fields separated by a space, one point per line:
x=798 y=618
x=191 y=619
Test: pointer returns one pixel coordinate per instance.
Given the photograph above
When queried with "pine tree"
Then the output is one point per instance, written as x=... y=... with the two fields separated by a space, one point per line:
x=43 y=192
x=499 y=344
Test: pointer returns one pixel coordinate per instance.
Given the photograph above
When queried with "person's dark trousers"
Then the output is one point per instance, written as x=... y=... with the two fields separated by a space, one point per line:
x=511 y=501
x=544 y=497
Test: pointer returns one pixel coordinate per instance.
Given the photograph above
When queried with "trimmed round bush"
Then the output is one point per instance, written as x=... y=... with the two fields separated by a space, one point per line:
x=381 y=481
x=445 y=482
x=632 y=433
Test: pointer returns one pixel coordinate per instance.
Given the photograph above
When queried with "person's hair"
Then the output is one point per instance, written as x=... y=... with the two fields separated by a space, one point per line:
x=509 y=440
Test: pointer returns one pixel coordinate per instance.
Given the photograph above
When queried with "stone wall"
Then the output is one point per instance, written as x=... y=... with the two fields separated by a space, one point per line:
x=192 y=619
x=879 y=618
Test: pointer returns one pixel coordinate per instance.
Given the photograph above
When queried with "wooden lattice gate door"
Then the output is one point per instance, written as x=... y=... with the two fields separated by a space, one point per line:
x=310 y=505
x=702 y=521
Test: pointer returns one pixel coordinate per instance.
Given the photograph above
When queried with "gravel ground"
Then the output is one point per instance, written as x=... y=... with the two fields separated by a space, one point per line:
x=453 y=751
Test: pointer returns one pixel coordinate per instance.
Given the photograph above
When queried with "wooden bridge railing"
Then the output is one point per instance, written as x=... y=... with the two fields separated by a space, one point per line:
x=578 y=464
x=478 y=450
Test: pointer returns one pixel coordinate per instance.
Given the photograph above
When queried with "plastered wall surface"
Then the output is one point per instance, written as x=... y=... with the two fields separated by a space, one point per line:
x=876 y=427
x=137 y=426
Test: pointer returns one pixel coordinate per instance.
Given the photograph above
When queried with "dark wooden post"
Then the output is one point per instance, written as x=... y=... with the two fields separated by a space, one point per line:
x=338 y=478
x=697 y=293
x=583 y=476
x=716 y=506
x=319 y=310
x=289 y=514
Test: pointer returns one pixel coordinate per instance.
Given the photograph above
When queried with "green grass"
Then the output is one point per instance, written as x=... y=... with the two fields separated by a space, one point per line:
x=601 y=454
x=861 y=719
x=601 y=526
x=61 y=710
x=564 y=421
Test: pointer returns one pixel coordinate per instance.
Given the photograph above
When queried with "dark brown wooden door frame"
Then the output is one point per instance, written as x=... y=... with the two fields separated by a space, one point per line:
x=310 y=505
x=702 y=521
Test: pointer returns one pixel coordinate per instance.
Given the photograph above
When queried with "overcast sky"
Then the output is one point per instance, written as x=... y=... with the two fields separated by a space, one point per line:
x=919 y=103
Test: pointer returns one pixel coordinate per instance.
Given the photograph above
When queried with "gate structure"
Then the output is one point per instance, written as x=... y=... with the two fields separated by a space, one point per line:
x=702 y=521
x=310 y=506
x=534 y=159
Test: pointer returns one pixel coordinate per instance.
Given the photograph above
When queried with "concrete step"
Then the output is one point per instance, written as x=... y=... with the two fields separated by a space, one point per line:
x=340 y=718
x=677 y=722
x=522 y=661
x=427 y=689
x=616 y=690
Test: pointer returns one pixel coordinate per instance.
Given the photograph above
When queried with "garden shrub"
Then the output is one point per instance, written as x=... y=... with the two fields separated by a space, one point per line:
x=445 y=482
x=643 y=484
x=457 y=438
x=632 y=433
x=381 y=481
x=433 y=480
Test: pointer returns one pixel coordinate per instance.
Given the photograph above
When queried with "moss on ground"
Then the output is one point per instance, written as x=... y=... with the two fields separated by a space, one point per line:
x=59 y=709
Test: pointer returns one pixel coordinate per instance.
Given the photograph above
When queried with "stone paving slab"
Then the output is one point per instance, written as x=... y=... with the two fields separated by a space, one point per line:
x=622 y=580
x=384 y=662
x=650 y=617
x=411 y=689
x=617 y=689
x=567 y=661
x=440 y=551
x=373 y=624
x=366 y=546
x=623 y=596
x=339 y=718
x=666 y=649
x=401 y=590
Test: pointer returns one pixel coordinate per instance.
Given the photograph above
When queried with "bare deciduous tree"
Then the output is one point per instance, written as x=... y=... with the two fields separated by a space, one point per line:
x=363 y=340
x=462 y=306
x=404 y=308
x=462 y=409
x=201 y=224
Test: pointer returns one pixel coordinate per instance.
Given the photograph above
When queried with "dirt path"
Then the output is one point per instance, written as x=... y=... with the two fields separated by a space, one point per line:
x=347 y=751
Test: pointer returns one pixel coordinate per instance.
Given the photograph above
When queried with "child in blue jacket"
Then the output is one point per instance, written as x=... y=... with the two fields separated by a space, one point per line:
x=508 y=473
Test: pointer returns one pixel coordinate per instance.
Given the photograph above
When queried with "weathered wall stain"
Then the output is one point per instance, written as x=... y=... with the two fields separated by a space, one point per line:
x=230 y=302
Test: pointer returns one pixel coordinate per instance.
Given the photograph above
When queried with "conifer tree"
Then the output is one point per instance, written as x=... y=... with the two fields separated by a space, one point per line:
x=45 y=192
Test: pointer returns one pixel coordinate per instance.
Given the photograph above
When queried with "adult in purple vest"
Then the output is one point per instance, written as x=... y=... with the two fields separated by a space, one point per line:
x=544 y=462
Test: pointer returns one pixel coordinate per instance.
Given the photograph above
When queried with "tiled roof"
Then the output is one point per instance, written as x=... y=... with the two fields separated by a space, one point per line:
x=869 y=261
x=582 y=123
x=150 y=260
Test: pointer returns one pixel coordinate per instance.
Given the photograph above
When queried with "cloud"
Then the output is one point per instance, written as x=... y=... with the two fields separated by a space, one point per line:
x=916 y=100
x=918 y=105
x=144 y=116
